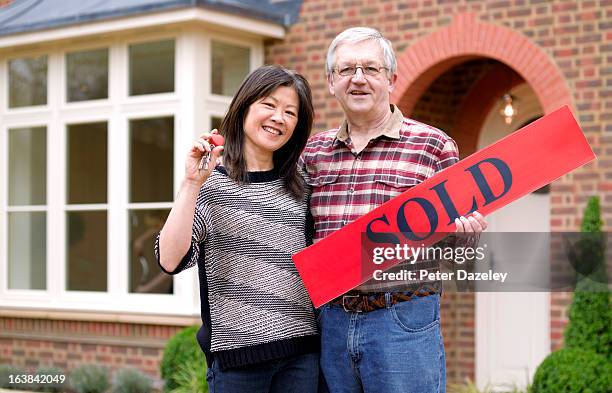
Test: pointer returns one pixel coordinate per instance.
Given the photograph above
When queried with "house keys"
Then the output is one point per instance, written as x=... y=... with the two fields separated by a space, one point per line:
x=214 y=140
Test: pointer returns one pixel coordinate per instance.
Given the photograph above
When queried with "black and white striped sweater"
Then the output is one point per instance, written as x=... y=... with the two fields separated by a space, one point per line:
x=254 y=305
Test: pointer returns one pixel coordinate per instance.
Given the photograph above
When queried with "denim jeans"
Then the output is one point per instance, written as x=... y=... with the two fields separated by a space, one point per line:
x=299 y=374
x=398 y=349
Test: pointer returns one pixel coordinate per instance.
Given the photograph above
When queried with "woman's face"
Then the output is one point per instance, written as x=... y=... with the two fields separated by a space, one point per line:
x=271 y=120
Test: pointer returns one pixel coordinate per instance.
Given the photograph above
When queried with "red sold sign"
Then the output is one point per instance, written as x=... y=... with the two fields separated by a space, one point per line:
x=487 y=180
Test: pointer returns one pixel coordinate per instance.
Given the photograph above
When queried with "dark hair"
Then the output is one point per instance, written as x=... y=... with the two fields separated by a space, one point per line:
x=259 y=84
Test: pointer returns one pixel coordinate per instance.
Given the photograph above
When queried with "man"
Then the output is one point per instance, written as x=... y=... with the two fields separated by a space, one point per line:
x=381 y=337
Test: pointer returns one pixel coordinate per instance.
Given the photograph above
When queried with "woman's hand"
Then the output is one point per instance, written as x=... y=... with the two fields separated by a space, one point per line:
x=175 y=236
x=194 y=172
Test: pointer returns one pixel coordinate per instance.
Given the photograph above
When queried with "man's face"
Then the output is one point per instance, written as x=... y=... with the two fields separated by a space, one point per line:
x=360 y=94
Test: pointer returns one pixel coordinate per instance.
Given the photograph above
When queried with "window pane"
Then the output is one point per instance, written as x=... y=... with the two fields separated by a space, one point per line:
x=27 y=250
x=28 y=82
x=145 y=274
x=86 y=163
x=87 y=75
x=86 y=250
x=27 y=166
x=215 y=122
x=230 y=65
x=151 y=160
x=152 y=67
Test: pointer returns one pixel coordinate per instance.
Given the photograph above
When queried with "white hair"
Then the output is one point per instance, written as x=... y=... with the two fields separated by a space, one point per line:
x=360 y=34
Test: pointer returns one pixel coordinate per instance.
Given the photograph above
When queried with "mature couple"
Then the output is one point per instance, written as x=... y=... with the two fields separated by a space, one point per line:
x=242 y=217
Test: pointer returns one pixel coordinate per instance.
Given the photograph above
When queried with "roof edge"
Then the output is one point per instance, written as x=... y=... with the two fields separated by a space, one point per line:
x=167 y=17
x=287 y=13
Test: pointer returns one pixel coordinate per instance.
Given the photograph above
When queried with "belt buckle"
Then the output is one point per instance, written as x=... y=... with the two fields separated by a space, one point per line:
x=344 y=304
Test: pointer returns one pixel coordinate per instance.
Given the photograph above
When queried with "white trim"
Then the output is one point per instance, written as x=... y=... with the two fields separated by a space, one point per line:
x=195 y=57
x=26 y=208
x=209 y=17
x=145 y=304
x=25 y=119
x=151 y=318
x=85 y=207
x=216 y=106
x=3 y=198
x=149 y=205
x=143 y=112
x=56 y=222
x=118 y=71
x=219 y=99
x=4 y=95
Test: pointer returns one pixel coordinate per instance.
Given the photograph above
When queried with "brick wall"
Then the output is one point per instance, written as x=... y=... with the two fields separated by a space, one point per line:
x=458 y=314
x=573 y=37
x=33 y=343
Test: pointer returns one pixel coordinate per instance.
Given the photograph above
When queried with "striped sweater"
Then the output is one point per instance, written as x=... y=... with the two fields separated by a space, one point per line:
x=254 y=305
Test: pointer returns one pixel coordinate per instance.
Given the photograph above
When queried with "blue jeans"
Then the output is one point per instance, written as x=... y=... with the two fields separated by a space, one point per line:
x=398 y=349
x=299 y=374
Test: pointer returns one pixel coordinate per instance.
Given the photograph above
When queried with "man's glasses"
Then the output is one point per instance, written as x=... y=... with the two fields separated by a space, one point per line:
x=351 y=70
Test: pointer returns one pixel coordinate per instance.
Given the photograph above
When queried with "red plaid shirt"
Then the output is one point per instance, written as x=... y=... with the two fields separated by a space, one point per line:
x=346 y=184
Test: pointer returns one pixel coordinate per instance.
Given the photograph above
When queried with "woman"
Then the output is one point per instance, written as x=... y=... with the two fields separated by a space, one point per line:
x=240 y=222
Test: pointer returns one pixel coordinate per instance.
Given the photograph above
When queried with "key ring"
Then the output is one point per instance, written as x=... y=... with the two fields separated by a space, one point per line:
x=215 y=140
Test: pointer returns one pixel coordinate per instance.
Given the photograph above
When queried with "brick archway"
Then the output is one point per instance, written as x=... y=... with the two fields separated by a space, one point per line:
x=465 y=39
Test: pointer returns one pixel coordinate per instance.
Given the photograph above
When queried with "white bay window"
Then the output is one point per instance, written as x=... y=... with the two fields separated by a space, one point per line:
x=93 y=138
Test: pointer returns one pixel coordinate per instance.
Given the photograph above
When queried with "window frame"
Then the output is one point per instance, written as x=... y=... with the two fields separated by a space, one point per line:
x=235 y=42
x=83 y=47
x=5 y=80
x=4 y=202
x=6 y=94
x=254 y=60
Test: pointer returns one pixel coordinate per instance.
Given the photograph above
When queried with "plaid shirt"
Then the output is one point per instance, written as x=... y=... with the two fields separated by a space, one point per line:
x=347 y=184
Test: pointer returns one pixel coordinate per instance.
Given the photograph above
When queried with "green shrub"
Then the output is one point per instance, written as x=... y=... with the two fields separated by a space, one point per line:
x=89 y=378
x=6 y=370
x=191 y=379
x=590 y=323
x=590 y=314
x=50 y=386
x=592 y=222
x=585 y=365
x=572 y=371
x=588 y=255
x=181 y=349
x=130 y=380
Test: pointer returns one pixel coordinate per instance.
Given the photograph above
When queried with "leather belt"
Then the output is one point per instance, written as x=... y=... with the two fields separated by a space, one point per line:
x=366 y=302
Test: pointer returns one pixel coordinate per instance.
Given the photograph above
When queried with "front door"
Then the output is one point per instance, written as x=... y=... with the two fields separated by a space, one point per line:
x=513 y=328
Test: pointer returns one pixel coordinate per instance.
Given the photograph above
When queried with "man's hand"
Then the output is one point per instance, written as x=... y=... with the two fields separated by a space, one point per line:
x=471 y=225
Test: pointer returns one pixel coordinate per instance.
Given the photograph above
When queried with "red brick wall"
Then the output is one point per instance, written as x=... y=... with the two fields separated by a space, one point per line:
x=573 y=37
x=33 y=343
x=458 y=314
